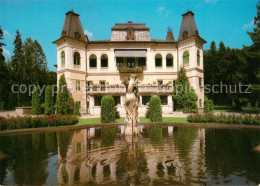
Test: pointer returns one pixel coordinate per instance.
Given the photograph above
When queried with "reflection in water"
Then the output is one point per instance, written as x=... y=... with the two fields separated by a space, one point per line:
x=159 y=155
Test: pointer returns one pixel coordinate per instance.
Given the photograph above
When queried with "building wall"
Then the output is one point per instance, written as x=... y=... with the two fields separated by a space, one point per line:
x=111 y=75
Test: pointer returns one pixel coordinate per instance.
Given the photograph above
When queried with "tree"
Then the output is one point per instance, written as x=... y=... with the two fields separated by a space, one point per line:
x=108 y=113
x=155 y=109
x=208 y=105
x=4 y=75
x=184 y=95
x=76 y=108
x=36 y=103
x=63 y=102
x=49 y=101
x=255 y=35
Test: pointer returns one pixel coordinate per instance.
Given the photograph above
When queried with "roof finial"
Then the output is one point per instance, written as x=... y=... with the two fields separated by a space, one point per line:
x=72 y=10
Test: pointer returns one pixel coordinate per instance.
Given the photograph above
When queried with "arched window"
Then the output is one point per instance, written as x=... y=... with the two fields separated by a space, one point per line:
x=63 y=58
x=76 y=58
x=158 y=60
x=104 y=60
x=92 y=61
x=186 y=57
x=198 y=58
x=169 y=60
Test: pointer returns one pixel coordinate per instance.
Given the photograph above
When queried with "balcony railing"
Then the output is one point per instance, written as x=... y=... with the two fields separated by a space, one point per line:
x=121 y=89
x=124 y=69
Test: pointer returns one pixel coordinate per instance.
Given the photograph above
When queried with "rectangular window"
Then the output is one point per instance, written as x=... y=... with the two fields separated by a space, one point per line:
x=78 y=85
x=158 y=62
x=117 y=100
x=102 y=85
x=93 y=63
x=164 y=100
x=141 y=61
x=200 y=103
x=97 y=100
x=200 y=83
x=104 y=62
x=145 y=100
x=169 y=62
x=89 y=85
x=130 y=62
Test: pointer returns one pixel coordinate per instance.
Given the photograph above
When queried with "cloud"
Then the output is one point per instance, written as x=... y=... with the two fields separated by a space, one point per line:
x=6 y=52
x=88 y=33
x=248 y=25
x=7 y=35
x=160 y=10
x=211 y=1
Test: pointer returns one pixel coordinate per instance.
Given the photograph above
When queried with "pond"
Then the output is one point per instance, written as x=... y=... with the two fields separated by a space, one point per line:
x=159 y=155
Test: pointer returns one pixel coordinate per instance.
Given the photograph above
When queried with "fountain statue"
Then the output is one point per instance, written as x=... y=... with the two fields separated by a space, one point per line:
x=131 y=105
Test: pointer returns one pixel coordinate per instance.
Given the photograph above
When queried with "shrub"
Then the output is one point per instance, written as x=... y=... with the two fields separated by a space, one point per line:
x=108 y=113
x=36 y=103
x=63 y=102
x=225 y=119
x=49 y=101
x=208 y=105
x=256 y=104
x=248 y=105
x=36 y=122
x=2 y=106
x=76 y=108
x=184 y=95
x=155 y=109
x=3 y=123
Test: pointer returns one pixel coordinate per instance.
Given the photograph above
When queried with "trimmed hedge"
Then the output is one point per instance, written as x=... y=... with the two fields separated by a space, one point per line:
x=36 y=122
x=155 y=109
x=224 y=119
x=208 y=105
x=108 y=111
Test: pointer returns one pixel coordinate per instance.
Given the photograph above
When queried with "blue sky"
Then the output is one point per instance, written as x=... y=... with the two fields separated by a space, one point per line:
x=218 y=20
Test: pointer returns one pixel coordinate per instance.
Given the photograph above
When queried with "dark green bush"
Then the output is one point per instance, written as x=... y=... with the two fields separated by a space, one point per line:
x=36 y=122
x=49 y=101
x=76 y=108
x=155 y=109
x=108 y=112
x=225 y=119
x=208 y=105
x=2 y=106
x=3 y=123
x=63 y=102
x=36 y=103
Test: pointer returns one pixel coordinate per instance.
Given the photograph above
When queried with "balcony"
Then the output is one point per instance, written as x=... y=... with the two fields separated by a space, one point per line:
x=125 y=69
x=120 y=89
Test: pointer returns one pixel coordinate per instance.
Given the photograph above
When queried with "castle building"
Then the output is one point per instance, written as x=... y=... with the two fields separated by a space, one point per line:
x=99 y=67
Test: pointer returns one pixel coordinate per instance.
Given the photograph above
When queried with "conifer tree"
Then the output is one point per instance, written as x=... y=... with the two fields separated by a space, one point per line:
x=155 y=109
x=4 y=75
x=49 y=101
x=108 y=112
x=63 y=103
x=36 y=104
x=184 y=95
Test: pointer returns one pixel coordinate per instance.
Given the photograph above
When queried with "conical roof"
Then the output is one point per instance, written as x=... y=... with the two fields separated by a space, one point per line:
x=72 y=27
x=188 y=26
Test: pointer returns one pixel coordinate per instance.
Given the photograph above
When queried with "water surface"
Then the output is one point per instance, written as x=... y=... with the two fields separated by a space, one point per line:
x=160 y=155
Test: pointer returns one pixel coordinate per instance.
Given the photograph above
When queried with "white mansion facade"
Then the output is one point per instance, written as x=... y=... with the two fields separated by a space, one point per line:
x=96 y=68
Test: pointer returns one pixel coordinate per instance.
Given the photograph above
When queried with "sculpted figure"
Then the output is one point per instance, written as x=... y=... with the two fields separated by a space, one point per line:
x=131 y=105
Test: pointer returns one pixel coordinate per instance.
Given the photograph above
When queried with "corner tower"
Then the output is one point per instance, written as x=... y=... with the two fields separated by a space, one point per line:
x=190 y=54
x=71 y=56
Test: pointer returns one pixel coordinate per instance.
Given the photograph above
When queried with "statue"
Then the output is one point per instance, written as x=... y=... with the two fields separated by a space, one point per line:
x=131 y=105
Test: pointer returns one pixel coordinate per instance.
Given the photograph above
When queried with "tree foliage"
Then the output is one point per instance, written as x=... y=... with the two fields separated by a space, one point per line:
x=76 y=108
x=108 y=112
x=155 y=109
x=184 y=95
x=63 y=103
x=208 y=105
x=36 y=103
x=49 y=101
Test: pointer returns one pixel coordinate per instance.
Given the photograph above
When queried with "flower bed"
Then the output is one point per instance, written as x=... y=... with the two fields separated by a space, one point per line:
x=36 y=122
x=225 y=119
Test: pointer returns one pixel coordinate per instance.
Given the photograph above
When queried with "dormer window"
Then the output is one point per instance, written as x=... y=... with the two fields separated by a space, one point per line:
x=77 y=35
x=130 y=33
x=185 y=34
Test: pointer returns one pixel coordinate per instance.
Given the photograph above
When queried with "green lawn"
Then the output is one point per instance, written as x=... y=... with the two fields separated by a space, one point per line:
x=87 y=121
